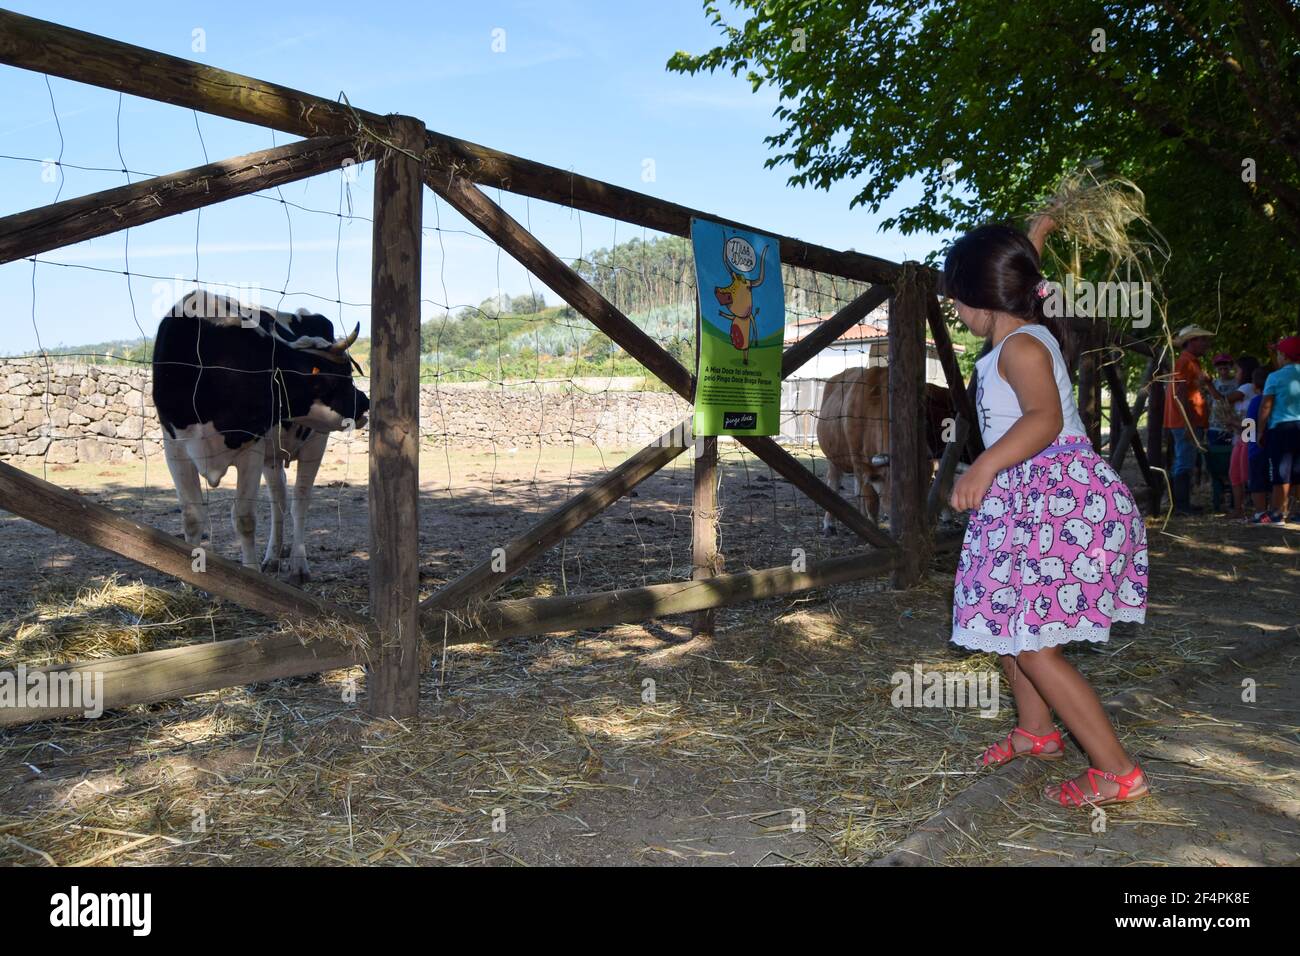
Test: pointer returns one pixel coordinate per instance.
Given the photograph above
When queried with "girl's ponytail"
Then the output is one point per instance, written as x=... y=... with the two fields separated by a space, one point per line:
x=1056 y=322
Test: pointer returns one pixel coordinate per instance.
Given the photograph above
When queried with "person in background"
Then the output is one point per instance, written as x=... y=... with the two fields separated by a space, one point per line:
x=1261 y=482
x=1187 y=412
x=1279 y=426
x=1239 y=463
x=1218 y=438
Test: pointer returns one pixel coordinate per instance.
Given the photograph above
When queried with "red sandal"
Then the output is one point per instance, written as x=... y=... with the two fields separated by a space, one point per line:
x=997 y=755
x=1072 y=795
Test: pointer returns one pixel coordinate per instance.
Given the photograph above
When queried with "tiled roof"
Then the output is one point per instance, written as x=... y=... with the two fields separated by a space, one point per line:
x=875 y=327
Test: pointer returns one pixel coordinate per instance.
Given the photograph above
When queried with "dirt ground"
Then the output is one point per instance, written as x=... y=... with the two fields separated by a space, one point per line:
x=773 y=743
x=1227 y=774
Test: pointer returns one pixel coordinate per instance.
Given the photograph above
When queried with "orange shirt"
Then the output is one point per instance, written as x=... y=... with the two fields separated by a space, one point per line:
x=1189 y=374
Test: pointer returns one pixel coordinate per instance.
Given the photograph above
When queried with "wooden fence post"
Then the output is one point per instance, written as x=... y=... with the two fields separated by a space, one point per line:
x=393 y=680
x=705 y=559
x=1090 y=387
x=1156 y=436
x=908 y=453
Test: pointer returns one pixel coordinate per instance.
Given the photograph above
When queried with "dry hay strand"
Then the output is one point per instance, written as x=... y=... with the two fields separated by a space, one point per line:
x=116 y=617
x=329 y=629
x=1104 y=219
x=1107 y=216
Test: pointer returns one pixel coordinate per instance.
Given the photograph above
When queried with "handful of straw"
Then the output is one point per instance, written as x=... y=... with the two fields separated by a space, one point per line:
x=1104 y=218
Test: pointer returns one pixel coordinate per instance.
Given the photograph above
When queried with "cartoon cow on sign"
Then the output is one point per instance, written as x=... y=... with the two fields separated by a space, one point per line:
x=737 y=301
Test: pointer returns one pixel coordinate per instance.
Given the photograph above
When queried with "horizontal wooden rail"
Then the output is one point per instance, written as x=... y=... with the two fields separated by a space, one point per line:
x=51 y=48
x=99 y=214
x=531 y=616
x=152 y=676
x=519 y=618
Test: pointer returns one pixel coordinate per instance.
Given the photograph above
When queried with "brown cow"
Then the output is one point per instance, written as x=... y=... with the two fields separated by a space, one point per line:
x=853 y=432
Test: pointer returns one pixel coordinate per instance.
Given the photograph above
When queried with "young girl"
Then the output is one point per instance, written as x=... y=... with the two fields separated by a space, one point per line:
x=1239 y=464
x=1056 y=548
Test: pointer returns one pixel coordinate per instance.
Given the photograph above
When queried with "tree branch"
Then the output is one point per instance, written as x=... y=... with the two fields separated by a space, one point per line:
x=1271 y=70
x=1281 y=127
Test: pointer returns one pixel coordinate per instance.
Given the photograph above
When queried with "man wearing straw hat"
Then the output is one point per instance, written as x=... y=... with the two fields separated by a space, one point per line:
x=1187 y=411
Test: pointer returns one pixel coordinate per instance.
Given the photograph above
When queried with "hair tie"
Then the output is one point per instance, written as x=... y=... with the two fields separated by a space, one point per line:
x=1043 y=289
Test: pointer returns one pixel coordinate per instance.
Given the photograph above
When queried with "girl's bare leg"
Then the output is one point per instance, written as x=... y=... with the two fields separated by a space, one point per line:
x=1066 y=691
x=1239 y=501
x=1033 y=714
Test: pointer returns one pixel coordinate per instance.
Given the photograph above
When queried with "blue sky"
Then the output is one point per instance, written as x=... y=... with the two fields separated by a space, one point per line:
x=579 y=85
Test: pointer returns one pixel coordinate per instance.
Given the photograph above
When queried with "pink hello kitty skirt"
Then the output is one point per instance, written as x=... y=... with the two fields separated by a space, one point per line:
x=1055 y=553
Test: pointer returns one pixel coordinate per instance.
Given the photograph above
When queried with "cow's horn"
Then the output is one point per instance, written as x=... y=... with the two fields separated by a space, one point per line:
x=342 y=345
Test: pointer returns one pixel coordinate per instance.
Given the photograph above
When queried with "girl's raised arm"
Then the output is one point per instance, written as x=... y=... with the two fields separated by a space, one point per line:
x=1040 y=225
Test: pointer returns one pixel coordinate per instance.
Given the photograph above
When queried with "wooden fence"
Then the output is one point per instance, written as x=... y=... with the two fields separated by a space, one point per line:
x=410 y=157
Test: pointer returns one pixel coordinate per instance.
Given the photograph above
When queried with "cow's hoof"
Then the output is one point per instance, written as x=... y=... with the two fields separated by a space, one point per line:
x=299 y=577
x=830 y=531
x=270 y=565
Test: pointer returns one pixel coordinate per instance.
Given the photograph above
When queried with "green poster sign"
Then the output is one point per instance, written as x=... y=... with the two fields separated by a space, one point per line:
x=742 y=331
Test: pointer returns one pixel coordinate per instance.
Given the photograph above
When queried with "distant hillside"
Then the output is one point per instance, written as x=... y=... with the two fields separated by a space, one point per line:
x=116 y=352
x=523 y=338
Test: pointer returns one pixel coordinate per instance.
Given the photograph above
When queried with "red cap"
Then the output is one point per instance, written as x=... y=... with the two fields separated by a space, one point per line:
x=1290 y=347
x=1223 y=358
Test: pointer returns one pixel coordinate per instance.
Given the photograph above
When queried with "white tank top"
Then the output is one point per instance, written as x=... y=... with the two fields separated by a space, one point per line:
x=996 y=403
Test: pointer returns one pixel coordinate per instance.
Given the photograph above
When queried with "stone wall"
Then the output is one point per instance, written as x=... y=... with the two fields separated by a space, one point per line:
x=66 y=413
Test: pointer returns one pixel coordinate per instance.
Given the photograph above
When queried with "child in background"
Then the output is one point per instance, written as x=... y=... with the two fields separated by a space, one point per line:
x=1056 y=548
x=1239 y=463
x=1218 y=438
x=1261 y=483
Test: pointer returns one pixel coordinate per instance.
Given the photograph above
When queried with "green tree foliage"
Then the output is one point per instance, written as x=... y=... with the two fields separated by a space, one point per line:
x=987 y=103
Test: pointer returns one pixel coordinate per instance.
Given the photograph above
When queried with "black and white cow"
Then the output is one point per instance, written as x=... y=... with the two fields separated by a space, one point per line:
x=254 y=388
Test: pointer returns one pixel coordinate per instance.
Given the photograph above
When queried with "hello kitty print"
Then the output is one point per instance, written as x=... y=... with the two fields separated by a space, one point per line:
x=1055 y=553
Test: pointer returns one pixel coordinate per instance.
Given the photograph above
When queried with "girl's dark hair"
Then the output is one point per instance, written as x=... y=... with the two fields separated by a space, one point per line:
x=996 y=267
x=1246 y=365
